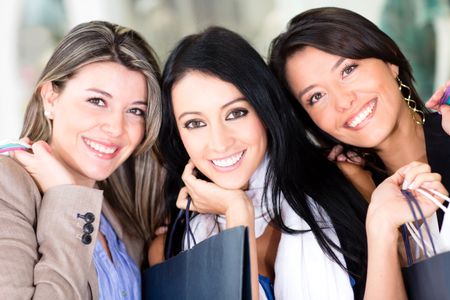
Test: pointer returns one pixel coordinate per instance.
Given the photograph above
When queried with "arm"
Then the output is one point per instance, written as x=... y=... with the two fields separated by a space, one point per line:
x=351 y=165
x=41 y=254
x=156 y=250
x=387 y=211
x=360 y=178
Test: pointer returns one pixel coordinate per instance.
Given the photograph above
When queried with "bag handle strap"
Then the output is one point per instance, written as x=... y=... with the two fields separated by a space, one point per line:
x=413 y=227
x=413 y=205
x=187 y=230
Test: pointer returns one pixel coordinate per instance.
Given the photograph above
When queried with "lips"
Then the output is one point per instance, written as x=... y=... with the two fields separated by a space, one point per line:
x=228 y=161
x=101 y=149
x=363 y=115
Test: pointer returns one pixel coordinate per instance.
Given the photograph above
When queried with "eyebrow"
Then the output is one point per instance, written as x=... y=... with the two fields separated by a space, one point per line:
x=338 y=63
x=335 y=66
x=104 y=93
x=222 y=107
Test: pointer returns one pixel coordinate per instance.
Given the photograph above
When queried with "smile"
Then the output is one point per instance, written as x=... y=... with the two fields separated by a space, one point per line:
x=100 y=148
x=363 y=115
x=228 y=161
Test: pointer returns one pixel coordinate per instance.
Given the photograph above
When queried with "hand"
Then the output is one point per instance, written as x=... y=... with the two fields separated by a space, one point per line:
x=389 y=209
x=45 y=168
x=337 y=155
x=207 y=197
x=433 y=103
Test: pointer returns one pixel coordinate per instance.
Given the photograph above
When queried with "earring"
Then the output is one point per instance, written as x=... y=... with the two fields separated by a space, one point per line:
x=412 y=105
x=47 y=114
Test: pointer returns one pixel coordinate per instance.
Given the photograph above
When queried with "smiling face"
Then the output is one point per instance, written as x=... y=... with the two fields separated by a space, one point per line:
x=356 y=101
x=98 y=119
x=220 y=130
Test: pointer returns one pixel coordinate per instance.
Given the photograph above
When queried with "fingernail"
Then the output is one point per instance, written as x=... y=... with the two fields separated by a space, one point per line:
x=405 y=184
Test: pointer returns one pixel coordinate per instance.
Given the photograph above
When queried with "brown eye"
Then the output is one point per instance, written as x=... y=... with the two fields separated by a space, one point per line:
x=97 y=101
x=192 y=124
x=348 y=69
x=137 y=111
x=315 y=98
x=237 y=113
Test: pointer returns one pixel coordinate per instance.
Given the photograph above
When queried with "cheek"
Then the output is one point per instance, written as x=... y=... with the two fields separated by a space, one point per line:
x=192 y=143
x=324 y=118
x=256 y=134
x=136 y=133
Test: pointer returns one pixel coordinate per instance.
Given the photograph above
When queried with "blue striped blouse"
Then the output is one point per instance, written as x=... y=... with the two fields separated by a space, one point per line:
x=119 y=278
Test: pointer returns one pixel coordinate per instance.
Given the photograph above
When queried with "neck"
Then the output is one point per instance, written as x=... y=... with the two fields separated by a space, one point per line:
x=404 y=145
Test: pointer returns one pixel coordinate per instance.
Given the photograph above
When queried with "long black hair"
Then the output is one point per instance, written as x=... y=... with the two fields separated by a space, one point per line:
x=295 y=169
x=343 y=33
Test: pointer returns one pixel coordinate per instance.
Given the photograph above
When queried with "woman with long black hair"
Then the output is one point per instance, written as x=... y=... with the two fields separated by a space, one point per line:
x=231 y=142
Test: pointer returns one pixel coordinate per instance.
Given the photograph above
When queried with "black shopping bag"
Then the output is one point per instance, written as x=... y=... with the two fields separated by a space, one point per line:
x=217 y=268
x=428 y=278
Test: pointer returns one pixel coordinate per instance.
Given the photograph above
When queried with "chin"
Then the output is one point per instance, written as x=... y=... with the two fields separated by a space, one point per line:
x=231 y=184
x=98 y=175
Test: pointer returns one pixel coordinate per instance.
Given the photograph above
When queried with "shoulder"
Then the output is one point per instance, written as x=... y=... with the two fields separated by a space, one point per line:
x=156 y=250
x=18 y=192
x=13 y=177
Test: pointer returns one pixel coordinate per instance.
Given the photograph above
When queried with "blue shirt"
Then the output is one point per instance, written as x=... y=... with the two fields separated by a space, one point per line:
x=120 y=278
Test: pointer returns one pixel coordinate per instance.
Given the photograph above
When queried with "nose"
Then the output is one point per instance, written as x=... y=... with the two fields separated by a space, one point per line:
x=220 y=138
x=344 y=99
x=113 y=124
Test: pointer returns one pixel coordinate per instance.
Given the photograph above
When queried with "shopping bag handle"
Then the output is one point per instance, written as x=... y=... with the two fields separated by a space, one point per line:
x=413 y=205
x=413 y=227
x=187 y=230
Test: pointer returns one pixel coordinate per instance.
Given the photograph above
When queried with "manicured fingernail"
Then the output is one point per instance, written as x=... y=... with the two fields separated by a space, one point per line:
x=412 y=186
x=405 y=184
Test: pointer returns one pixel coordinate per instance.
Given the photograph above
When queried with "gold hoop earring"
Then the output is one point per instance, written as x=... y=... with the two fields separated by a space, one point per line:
x=412 y=105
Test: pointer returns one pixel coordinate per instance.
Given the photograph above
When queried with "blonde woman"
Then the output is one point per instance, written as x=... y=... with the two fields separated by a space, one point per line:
x=78 y=209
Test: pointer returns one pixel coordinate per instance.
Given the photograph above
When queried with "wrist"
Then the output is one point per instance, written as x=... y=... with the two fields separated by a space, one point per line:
x=379 y=228
x=240 y=212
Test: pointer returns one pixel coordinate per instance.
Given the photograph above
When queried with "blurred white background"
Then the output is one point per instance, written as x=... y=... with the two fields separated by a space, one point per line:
x=33 y=27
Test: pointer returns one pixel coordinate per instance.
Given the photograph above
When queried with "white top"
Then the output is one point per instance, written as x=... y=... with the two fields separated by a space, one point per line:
x=302 y=270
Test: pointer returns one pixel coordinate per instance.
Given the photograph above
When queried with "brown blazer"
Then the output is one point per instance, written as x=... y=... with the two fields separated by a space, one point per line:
x=42 y=255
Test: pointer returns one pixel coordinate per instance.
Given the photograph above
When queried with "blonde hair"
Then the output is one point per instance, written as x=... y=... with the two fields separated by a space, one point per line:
x=133 y=189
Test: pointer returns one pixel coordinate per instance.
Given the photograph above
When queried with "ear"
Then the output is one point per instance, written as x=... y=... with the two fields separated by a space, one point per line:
x=49 y=97
x=394 y=69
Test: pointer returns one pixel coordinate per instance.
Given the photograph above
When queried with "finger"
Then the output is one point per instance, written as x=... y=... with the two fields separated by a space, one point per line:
x=412 y=173
x=26 y=140
x=355 y=158
x=422 y=178
x=182 y=200
x=435 y=101
x=161 y=230
x=436 y=186
x=188 y=172
x=342 y=157
x=335 y=152
x=22 y=156
x=400 y=175
x=41 y=148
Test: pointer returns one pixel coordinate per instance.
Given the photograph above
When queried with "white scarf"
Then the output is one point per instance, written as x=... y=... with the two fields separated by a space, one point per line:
x=302 y=270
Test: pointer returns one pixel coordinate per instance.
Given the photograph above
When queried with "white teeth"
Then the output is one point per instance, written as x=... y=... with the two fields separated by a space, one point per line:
x=229 y=161
x=361 y=116
x=100 y=148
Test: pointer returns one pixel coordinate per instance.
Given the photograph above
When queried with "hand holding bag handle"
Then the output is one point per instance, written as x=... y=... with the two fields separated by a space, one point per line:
x=216 y=268
x=427 y=278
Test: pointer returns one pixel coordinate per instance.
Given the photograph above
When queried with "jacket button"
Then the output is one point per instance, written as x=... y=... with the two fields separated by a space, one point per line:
x=86 y=239
x=88 y=228
x=87 y=217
